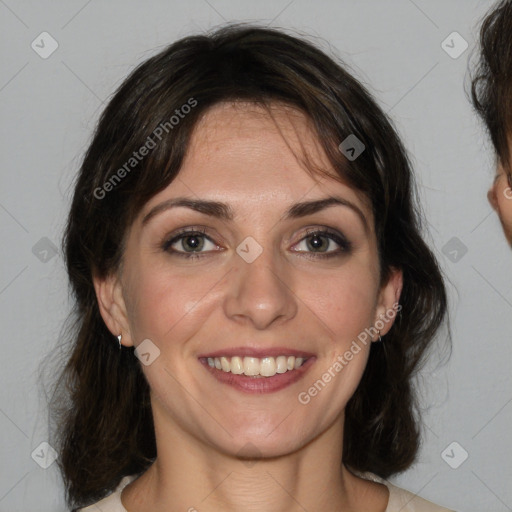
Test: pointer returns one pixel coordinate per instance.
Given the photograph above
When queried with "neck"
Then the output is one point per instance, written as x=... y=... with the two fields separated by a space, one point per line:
x=191 y=475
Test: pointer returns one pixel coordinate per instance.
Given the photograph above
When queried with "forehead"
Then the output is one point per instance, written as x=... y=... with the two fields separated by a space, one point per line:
x=248 y=130
x=258 y=164
x=268 y=151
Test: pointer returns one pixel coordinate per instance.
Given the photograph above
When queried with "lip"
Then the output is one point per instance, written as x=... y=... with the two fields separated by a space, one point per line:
x=258 y=385
x=258 y=352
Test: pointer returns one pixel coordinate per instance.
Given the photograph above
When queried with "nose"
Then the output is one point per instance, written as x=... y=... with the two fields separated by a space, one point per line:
x=259 y=293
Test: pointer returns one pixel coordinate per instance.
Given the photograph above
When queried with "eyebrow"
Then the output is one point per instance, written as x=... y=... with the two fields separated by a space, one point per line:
x=224 y=211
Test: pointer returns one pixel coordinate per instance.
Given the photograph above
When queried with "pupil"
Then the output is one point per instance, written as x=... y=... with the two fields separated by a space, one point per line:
x=316 y=242
x=194 y=242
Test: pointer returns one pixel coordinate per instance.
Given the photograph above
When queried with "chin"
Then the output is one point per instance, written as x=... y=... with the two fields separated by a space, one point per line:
x=258 y=447
x=268 y=442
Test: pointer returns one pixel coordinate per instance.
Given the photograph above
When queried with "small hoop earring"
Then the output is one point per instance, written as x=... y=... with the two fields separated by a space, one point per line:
x=119 y=340
x=380 y=338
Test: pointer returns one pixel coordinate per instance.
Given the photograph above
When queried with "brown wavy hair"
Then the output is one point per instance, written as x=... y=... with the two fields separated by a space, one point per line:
x=101 y=411
x=491 y=81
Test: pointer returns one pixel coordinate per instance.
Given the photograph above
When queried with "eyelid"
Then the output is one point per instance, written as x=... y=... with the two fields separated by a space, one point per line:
x=333 y=234
x=181 y=233
x=345 y=245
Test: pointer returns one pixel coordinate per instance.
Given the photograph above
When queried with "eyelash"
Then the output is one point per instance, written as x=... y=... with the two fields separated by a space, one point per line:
x=345 y=245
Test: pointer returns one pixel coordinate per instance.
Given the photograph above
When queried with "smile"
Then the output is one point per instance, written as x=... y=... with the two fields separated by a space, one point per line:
x=254 y=366
x=257 y=370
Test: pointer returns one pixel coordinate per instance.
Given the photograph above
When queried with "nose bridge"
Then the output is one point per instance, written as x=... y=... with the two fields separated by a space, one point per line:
x=259 y=291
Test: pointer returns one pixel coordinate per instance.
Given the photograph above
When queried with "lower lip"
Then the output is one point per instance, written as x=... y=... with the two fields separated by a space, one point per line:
x=259 y=384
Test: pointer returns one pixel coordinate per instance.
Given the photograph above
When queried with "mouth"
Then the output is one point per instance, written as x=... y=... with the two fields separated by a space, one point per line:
x=255 y=366
x=252 y=371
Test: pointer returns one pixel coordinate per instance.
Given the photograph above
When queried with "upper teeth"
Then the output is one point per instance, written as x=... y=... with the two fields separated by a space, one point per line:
x=266 y=366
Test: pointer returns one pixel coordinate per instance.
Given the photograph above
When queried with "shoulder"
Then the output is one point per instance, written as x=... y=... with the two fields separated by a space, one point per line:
x=111 y=503
x=402 y=500
x=405 y=501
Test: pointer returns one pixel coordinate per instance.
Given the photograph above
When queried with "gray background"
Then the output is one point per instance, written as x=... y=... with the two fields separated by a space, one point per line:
x=49 y=108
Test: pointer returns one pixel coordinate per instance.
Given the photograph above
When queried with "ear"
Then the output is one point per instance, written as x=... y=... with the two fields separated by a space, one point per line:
x=388 y=302
x=491 y=197
x=112 y=306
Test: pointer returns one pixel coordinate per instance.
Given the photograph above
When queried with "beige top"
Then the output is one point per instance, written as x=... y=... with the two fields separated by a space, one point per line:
x=400 y=500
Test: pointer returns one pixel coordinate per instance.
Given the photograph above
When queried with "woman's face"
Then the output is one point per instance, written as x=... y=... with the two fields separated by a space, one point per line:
x=240 y=261
x=500 y=197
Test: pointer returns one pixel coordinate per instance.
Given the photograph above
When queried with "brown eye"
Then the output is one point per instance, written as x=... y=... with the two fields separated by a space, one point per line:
x=189 y=243
x=192 y=242
x=322 y=243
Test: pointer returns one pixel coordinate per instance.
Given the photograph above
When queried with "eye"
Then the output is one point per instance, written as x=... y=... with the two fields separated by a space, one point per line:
x=320 y=242
x=189 y=243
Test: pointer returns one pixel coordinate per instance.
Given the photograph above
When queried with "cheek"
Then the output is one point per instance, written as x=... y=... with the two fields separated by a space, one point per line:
x=345 y=301
x=344 y=304
x=166 y=302
x=175 y=304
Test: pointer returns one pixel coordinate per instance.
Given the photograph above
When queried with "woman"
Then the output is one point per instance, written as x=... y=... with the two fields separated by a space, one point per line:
x=253 y=293
x=491 y=92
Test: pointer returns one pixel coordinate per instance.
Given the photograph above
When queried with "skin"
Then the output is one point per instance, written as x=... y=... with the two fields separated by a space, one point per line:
x=500 y=197
x=287 y=297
